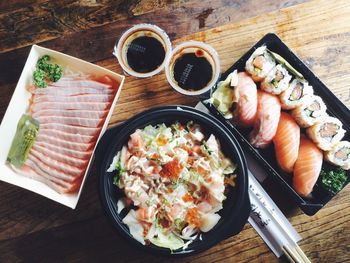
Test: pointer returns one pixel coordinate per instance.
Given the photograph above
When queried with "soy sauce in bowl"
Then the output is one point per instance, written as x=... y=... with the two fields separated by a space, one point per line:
x=145 y=54
x=193 y=71
x=143 y=50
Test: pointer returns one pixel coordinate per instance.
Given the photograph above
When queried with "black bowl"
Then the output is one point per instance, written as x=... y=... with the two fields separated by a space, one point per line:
x=236 y=207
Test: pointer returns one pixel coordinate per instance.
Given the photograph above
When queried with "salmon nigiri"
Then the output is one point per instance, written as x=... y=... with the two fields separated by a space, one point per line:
x=307 y=168
x=286 y=142
x=266 y=122
x=247 y=103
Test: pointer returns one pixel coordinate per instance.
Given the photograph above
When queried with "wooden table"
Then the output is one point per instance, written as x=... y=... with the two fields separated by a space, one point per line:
x=33 y=228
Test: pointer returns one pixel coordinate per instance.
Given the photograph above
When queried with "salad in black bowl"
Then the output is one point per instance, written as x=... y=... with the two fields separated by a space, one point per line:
x=173 y=180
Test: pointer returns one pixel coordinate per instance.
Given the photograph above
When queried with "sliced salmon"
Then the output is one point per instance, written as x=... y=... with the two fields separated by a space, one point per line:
x=70 y=129
x=69 y=91
x=32 y=169
x=92 y=106
x=71 y=113
x=85 y=122
x=73 y=161
x=81 y=83
x=82 y=147
x=71 y=137
x=71 y=171
x=78 y=98
x=69 y=152
x=51 y=171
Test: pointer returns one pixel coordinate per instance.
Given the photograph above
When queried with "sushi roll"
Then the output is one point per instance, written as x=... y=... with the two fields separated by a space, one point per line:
x=339 y=155
x=295 y=94
x=310 y=112
x=277 y=80
x=260 y=63
x=326 y=133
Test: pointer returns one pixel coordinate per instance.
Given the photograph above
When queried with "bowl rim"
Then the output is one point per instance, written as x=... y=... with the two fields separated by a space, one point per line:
x=232 y=225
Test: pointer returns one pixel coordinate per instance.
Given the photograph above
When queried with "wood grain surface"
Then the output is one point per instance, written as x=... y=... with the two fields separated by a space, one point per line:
x=35 y=229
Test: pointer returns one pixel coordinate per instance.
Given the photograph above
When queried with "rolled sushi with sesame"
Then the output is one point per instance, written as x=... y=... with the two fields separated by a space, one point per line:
x=260 y=64
x=277 y=80
x=326 y=133
x=339 y=155
x=312 y=110
x=296 y=94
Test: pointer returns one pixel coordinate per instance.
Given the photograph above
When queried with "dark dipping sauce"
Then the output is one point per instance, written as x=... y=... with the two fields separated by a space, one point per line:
x=145 y=54
x=192 y=71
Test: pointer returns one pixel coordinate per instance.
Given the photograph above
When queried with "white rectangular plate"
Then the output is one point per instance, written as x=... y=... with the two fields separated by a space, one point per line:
x=18 y=106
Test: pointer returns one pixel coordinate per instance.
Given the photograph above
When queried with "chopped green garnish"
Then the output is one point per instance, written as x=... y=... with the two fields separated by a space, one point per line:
x=27 y=130
x=55 y=72
x=120 y=170
x=333 y=180
x=43 y=62
x=46 y=70
x=206 y=147
x=40 y=78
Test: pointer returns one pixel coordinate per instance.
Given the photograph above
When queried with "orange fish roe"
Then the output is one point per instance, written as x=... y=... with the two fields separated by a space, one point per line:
x=171 y=169
x=193 y=217
x=155 y=156
x=187 y=197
